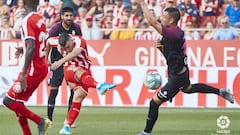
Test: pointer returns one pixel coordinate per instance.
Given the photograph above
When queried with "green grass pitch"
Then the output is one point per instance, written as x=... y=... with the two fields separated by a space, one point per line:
x=130 y=121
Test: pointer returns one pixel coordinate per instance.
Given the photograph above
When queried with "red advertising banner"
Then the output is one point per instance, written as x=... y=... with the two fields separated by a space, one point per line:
x=126 y=62
x=201 y=53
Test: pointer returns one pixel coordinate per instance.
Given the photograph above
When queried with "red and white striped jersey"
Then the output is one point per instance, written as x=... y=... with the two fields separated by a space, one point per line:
x=82 y=60
x=7 y=33
x=48 y=13
x=205 y=8
x=140 y=35
x=133 y=21
x=183 y=20
x=118 y=12
x=51 y=10
x=16 y=12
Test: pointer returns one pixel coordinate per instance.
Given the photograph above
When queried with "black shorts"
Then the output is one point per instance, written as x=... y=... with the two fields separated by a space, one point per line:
x=174 y=84
x=57 y=75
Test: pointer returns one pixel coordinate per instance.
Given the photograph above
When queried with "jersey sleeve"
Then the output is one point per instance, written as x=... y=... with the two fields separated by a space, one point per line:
x=29 y=28
x=53 y=30
x=79 y=42
x=53 y=41
x=78 y=29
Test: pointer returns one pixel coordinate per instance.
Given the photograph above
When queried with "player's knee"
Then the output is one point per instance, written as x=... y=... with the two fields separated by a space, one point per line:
x=53 y=94
x=79 y=95
x=7 y=101
x=187 y=89
x=163 y=96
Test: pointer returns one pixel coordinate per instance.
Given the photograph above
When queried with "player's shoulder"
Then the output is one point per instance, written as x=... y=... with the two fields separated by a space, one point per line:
x=77 y=29
x=79 y=40
x=56 y=25
x=54 y=30
x=34 y=21
x=53 y=40
x=77 y=37
x=76 y=25
x=33 y=16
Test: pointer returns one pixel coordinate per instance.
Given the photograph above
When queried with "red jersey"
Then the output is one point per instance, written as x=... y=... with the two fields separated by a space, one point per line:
x=82 y=60
x=33 y=27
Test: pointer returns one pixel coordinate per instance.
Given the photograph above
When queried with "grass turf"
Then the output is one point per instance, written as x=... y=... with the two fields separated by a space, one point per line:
x=130 y=121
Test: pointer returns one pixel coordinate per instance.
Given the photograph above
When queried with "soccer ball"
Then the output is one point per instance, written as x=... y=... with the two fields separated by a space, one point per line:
x=153 y=80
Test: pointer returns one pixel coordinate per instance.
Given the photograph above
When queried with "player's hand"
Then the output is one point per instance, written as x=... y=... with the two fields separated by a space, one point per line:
x=18 y=52
x=23 y=82
x=48 y=62
x=158 y=45
x=55 y=65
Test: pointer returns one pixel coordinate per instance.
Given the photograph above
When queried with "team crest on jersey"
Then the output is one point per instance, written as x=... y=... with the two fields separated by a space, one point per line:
x=17 y=87
x=73 y=32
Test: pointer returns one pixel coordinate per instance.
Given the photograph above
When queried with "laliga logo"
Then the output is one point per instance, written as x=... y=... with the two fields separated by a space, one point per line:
x=223 y=122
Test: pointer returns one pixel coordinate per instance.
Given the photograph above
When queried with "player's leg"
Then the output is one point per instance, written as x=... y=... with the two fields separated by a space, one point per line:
x=24 y=124
x=20 y=109
x=55 y=82
x=51 y=102
x=203 y=88
x=79 y=95
x=16 y=96
x=167 y=92
x=70 y=101
x=86 y=78
x=70 y=96
x=152 y=115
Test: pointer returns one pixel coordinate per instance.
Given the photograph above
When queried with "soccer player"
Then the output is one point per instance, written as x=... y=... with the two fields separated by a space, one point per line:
x=65 y=25
x=76 y=72
x=33 y=72
x=173 y=47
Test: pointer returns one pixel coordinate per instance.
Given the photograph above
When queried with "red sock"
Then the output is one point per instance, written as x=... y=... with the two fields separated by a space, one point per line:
x=20 y=109
x=88 y=80
x=24 y=124
x=73 y=113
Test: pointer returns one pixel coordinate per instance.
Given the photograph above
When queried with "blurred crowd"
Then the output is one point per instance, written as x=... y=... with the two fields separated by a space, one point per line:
x=123 y=19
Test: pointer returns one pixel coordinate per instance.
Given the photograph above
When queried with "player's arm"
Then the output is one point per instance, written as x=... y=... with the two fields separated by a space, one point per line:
x=28 y=58
x=150 y=18
x=47 y=52
x=75 y=52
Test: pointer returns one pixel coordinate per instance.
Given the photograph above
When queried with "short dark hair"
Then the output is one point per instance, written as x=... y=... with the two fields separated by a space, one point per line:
x=66 y=9
x=63 y=38
x=174 y=13
x=31 y=3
